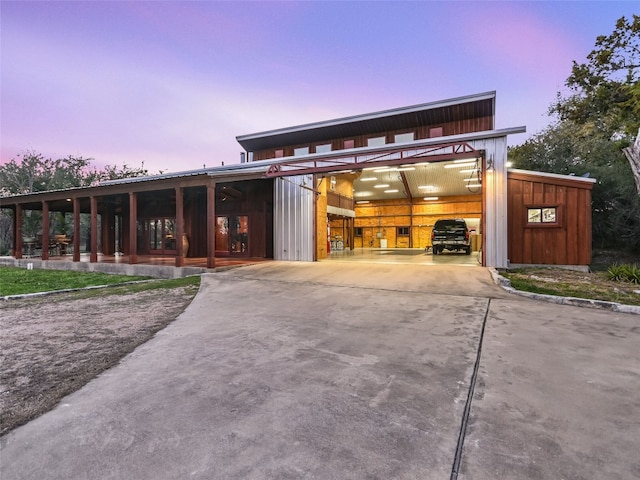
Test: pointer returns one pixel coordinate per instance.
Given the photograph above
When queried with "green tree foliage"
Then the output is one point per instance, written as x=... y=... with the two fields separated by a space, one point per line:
x=569 y=149
x=594 y=124
x=606 y=88
x=32 y=172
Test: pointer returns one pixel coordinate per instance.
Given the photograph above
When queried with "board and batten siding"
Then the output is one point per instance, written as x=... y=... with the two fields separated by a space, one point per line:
x=566 y=242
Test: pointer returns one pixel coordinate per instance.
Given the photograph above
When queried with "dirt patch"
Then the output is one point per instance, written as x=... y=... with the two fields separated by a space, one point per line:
x=51 y=346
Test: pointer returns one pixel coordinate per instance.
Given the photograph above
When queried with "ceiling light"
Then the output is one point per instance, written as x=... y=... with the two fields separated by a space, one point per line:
x=426 y=186
x=368 y=179
x=431 y=198
x=473 y=179
x=460 y=165
x=406 y=169
x=465 y=160
x=473 y=185
x=391 y=191
x=362 y=201
x=386 y=169
x=471 y=170
x=382 y=185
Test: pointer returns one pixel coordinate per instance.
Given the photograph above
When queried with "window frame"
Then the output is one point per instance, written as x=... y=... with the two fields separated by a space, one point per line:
x=559 y=218
x=400 y=231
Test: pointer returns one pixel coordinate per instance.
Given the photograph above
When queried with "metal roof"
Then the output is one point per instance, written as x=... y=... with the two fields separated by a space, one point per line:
x=470 y=106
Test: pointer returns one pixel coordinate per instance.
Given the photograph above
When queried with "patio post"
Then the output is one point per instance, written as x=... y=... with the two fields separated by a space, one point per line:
x=45 y=230
x=76 y=229
x=133 y=228
x=17 y=233
x=211 y=225
x=180 y=253
x=93 y=256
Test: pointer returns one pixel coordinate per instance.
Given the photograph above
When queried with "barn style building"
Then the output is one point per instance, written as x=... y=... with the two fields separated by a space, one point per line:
x=374 y=181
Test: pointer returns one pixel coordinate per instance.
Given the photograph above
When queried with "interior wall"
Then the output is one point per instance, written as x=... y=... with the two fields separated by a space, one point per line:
x=379 y=220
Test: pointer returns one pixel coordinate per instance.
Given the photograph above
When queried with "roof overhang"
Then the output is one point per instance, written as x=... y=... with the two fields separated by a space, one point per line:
x=584 y=182
x=470 y=106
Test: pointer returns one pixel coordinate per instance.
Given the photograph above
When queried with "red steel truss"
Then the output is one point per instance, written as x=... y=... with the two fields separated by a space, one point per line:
x=348 y=161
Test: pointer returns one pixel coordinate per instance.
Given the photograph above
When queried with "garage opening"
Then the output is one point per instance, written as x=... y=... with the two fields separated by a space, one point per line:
x=388 y=213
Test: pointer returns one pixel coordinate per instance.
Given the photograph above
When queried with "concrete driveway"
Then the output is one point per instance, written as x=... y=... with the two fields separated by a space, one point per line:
x=359 y=371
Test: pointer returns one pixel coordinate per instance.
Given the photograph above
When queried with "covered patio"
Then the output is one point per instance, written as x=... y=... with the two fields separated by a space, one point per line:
x=188 y=221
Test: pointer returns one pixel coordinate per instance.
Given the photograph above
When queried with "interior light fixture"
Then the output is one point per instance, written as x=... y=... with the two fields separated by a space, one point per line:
x=406 y=169
x=386 y=169
x=369 y=179
x=360 y=202
x=470 y=170
x=431 y=198
x=382 y=185
x=394 y=190
x=426 y=187
x=465 y=160
x=460 y=165
x=473 y=185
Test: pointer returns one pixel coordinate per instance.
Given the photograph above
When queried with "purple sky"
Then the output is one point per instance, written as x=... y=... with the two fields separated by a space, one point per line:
x=173 y=83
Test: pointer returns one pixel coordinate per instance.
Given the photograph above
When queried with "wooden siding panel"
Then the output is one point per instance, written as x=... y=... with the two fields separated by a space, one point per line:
x=568 y=242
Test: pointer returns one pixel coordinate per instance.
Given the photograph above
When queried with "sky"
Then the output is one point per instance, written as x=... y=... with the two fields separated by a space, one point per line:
x=170 y=84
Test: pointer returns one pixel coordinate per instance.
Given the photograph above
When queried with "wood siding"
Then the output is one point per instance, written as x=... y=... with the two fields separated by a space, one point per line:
x=381 y=219
x=566 y=242
x=450 y=127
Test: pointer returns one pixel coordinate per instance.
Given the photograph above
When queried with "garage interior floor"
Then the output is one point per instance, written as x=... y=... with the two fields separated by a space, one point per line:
x=405 y=256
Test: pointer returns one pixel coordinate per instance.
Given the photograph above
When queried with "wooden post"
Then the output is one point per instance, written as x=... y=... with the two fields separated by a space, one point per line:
x=211 y=225
x=17 y=233
x=180 y=253
x=76 y=229
x=133 y=228
x=45 y=230
x=93 y=256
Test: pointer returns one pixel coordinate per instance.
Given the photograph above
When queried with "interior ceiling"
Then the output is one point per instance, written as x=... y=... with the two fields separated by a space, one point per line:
x=432 y=179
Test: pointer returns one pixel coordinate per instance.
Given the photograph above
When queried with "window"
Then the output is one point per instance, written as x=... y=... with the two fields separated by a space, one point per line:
x=300 y=151
x=376 y=141
x=404 y=137
x=542 y=215
x=323 y=148
x=403 y=231
x=435 y=132
x=357 y=231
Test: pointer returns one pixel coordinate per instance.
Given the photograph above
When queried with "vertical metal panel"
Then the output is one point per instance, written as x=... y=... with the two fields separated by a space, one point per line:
x=293 y=218
x=495 y=184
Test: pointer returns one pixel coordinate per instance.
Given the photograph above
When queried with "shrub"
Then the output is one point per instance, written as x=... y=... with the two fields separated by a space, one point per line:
x=624 y=273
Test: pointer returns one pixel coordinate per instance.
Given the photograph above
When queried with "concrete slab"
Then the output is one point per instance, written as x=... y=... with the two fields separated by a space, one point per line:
x=264 y=378
x=557 y=395
x=326 y=370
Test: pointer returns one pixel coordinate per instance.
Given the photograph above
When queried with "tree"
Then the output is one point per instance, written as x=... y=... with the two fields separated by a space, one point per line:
x=32 y=172
x=606 y=90
x=571 y=149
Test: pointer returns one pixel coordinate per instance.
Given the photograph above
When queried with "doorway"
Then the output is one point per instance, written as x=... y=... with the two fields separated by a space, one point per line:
x=232 y=235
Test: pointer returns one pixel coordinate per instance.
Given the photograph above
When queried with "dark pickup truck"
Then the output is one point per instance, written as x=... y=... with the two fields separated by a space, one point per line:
x=452 y=234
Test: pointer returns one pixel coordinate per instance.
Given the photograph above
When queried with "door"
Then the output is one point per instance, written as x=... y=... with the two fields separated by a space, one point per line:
x=162 y=236
x=232 y=235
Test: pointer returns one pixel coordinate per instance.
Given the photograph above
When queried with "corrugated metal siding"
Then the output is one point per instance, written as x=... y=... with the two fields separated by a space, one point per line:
x=495 y=205
x=293 y=218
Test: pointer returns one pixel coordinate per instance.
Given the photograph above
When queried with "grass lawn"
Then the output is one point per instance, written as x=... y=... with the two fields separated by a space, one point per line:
x=594 y=285
x=16 y=281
